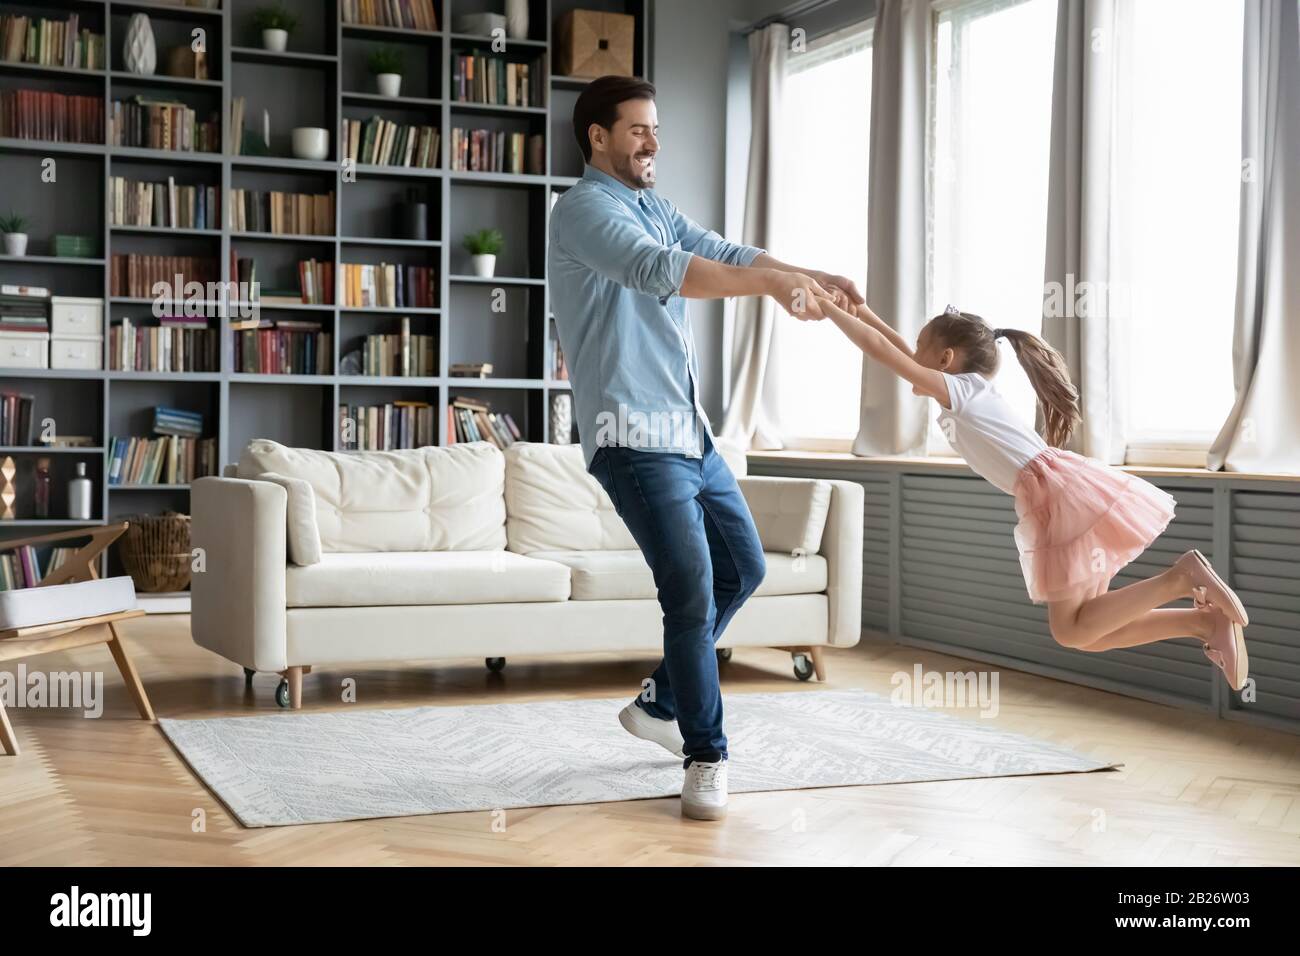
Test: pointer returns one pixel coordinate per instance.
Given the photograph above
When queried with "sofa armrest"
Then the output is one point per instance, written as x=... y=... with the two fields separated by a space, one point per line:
x=842 y=548
x=238 y=598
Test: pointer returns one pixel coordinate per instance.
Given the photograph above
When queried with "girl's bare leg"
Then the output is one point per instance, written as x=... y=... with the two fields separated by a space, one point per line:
x=1158 y=625
x=1082 y=623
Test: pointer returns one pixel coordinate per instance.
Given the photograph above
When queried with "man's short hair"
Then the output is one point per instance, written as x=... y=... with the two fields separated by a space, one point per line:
x=598 y=103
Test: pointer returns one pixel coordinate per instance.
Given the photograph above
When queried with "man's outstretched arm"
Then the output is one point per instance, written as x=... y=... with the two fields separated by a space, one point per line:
x=796 y=292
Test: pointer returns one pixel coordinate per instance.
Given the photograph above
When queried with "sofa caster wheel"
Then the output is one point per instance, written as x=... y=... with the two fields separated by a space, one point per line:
x=803 y=666
x=282 y=693
x=248 y=676
x=724 y=654
x=495 y=664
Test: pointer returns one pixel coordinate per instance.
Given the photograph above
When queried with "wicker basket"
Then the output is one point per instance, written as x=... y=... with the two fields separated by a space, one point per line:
x=156 y=552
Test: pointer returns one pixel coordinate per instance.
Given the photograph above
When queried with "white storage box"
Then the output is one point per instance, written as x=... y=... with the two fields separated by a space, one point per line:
x=77 y=352
x=28 y=607
x=24 y=350
x=76 y=317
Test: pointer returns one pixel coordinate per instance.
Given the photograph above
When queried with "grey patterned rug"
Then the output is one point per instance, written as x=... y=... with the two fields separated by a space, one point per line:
x=292 y=768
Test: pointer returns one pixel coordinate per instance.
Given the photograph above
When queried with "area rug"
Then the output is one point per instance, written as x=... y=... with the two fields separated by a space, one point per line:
x=295 y=768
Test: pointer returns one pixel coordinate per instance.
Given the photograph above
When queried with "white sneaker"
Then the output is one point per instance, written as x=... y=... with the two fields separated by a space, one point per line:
x=662 y=732
x=704 y=794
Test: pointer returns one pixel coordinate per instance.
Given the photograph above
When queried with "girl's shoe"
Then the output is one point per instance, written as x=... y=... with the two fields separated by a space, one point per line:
x=1216 y=590
x=1226 y=649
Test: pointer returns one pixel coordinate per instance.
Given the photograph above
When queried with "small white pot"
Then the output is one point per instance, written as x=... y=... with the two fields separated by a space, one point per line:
x=16 y=244
x=275 y=40
x=484 y=266
x=311 y=142
x=390 y=84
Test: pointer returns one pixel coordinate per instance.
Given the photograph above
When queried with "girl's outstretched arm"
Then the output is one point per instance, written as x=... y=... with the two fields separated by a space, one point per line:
x=864 y=313
x=925 y=381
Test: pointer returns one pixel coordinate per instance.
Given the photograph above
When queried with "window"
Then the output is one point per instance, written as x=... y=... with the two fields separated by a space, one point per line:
x=989 y=167
x=1181 y=171
x=823 y=224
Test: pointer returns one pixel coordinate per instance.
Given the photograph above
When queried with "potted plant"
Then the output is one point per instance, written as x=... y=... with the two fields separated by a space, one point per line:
x=14 y=227
x=483 y=247
x=276 y=23
x=386 y=67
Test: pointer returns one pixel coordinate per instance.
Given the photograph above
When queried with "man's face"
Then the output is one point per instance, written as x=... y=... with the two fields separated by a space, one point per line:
x=633 y=142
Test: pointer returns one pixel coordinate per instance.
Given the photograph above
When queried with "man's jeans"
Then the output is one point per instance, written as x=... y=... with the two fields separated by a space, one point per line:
x=695 y=530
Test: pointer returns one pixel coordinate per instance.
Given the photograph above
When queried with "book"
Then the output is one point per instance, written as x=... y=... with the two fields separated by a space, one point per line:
x=394 y=425
x=496 y=151
x=406 y=14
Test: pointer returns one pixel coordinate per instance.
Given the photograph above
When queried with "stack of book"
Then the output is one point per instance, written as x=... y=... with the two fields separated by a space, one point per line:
x=386 y=427
x=169 y=460
x=55 y=117
x=283 y=347
x=16 y=418
x=406 y=14
x=402 y=355
x=381 y=142
x=50 y=42
x=389 y=286
x=134 y=275
x=21 y=567
x=316 y=282
x=177 y=344
x=177 y=421
x=470 y=369
x=162 y=124
x=471 y=419
x=24 y=308
x=135 y=203
x=488 y=79
x=306 y=214
x=496 y=151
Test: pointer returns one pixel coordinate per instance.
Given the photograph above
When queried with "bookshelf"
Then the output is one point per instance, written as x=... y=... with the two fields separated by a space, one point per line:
x=320 y=80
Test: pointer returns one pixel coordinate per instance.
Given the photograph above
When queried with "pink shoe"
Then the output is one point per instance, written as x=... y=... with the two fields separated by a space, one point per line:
x=1213 y=587
x=1226 y=649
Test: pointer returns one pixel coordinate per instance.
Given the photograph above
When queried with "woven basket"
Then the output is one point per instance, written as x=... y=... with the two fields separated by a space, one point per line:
x=156 y=552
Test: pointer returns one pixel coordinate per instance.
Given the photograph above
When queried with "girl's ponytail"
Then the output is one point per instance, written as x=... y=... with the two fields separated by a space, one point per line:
x=1050 y=379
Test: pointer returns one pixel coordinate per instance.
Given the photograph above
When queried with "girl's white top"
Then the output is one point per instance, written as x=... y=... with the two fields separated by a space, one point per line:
x=986 y=431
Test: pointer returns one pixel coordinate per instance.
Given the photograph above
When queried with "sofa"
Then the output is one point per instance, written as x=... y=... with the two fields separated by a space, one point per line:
x=306 y=557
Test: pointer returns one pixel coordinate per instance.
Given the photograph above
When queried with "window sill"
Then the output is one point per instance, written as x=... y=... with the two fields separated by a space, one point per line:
x=840 y=460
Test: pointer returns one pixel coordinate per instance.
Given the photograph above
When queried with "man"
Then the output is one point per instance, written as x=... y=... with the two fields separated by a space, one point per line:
x=622 y=261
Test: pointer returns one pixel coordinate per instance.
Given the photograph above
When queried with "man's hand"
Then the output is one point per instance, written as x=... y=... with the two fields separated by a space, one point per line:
x=833 y=282
x=797 y=294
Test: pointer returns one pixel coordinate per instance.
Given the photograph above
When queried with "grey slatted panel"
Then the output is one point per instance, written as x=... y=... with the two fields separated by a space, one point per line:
x=876 y=549
x=962 y=588
x=1265 y=534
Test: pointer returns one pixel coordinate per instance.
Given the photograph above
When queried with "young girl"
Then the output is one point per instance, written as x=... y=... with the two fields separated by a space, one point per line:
x=1081 y=521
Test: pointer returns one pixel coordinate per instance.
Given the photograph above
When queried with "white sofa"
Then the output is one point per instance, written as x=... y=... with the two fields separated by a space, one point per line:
x=329 y=558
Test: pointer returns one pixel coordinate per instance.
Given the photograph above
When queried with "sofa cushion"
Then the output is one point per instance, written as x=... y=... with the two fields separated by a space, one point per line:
x=31 y=607
x=552 y=504
x=789 y=513
x=303 y=535
x=379 y=579
x=623 y=575
x=425 y=499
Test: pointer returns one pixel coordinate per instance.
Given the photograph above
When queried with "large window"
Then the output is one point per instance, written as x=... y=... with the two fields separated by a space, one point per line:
x=823 y=225
x=992 y=143
x=1180 y=171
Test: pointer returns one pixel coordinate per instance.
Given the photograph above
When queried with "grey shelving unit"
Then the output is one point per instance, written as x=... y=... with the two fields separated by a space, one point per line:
x=319 y=81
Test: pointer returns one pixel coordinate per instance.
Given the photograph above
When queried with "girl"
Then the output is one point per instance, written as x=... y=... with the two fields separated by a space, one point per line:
x=1081 y=521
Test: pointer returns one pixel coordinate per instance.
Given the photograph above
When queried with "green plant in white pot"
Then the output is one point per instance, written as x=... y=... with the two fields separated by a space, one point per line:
x=14 y=228
x=385 y=65
x=483 y=247
x=276 y=23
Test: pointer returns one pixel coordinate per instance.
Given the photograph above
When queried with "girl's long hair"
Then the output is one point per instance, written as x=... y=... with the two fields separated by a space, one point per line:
x=1046 y=370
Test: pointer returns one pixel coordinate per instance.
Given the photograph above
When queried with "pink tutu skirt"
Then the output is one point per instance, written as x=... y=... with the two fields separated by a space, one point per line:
x=1080 y=522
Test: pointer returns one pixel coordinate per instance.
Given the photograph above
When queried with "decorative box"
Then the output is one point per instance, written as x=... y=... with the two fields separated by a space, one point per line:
x=591 y=43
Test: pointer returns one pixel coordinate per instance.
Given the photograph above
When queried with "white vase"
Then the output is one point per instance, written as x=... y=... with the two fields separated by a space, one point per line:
x=390 y=84
x=275 y=41
x=517 y=19
x=484 y=266
x=139 y=51
x=311 y=142
x=15 y=243
x=561 y=425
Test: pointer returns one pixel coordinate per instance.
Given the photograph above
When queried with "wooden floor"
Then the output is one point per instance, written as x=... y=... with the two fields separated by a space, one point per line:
x=1194 y=790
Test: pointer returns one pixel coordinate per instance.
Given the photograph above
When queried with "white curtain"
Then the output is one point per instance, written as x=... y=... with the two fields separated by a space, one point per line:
x=751 y=417
x=894 y=421
x=1082 y=274
x=1262 y=432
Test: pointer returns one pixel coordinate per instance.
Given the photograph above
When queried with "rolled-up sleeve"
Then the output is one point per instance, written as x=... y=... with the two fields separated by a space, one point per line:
x=602 y=234
x=708 y=244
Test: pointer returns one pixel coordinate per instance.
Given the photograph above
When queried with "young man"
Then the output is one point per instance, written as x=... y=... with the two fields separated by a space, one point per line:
x=622 y=261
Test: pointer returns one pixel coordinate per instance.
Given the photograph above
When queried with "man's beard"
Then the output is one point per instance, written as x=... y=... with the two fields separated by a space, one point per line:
x=633 y=172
